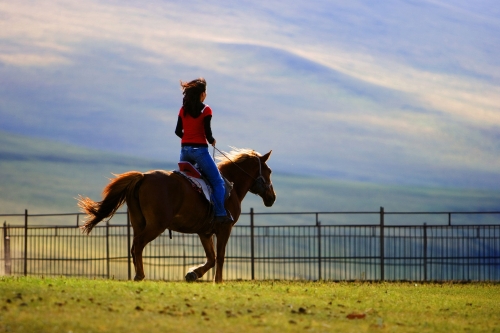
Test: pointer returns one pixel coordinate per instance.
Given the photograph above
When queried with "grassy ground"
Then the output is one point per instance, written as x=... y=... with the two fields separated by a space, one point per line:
x=81 y=305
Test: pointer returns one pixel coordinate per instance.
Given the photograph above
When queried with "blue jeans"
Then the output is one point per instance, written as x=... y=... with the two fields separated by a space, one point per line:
x=207 y=166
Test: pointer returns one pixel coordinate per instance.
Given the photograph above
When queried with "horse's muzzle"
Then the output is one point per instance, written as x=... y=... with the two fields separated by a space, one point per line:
x=269 y=198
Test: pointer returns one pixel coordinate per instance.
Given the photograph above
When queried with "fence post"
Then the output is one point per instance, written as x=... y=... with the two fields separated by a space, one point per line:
x=425 y=251
x=25 y=242
x=252 y=249
x=382 y=272
x=129 y=254
x=6 y=252
x=318 y=224
x=107 y=248
x=184 y=265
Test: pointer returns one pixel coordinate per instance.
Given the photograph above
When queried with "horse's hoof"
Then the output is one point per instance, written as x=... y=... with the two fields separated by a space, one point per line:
x=191 y=277
x=139 y=278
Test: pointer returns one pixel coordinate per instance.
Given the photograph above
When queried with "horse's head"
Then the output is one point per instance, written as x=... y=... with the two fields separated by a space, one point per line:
x=245 y=167
x=263 y=186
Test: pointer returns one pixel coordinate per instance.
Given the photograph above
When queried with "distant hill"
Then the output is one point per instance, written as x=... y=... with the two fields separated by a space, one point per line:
x=45 y=177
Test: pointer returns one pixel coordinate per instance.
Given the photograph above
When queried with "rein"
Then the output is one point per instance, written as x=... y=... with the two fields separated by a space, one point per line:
x=260 y=178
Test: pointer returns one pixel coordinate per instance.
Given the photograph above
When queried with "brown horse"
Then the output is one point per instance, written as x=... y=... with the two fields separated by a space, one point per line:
x=160 y=200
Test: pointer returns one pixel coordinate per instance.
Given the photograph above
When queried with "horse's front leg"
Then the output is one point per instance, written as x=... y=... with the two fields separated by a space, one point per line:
x=197 y=272
x=223 y=232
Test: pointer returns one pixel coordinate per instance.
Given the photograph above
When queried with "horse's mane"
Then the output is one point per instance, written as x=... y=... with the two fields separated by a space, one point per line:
x=236 y=155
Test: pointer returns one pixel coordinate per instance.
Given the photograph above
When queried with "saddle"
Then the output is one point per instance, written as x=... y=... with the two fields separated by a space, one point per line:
x=199 y=182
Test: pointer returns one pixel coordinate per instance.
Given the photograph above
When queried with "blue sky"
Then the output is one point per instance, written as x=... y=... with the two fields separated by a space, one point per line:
x=396 y=92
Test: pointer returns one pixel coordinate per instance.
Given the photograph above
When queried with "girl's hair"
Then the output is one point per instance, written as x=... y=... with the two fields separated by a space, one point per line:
x=191 y=101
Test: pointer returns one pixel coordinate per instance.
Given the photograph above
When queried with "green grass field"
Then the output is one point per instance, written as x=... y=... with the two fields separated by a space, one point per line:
x=34 y=304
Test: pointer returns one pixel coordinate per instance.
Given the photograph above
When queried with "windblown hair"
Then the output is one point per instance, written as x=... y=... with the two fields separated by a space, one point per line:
x=236 y=155
x=191 y=101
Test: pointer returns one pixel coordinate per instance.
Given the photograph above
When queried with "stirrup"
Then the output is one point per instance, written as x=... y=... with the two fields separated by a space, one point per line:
x=225 y=219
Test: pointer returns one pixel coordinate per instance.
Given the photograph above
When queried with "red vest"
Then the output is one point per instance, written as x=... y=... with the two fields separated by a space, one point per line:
x=194 y=128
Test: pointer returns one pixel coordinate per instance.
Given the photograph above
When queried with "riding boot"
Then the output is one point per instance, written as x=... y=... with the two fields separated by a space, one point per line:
x=225 y=219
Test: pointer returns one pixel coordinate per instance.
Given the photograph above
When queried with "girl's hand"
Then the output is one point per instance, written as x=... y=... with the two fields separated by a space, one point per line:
x=213 y=143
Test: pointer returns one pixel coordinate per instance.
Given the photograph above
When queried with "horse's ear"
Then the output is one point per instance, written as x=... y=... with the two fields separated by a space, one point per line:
x=266 y=157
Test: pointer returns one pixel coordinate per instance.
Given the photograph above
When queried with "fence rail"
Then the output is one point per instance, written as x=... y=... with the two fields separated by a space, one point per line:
x=416 y=246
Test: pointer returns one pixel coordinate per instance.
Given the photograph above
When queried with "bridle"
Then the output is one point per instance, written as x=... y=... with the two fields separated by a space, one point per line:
x=259 y=185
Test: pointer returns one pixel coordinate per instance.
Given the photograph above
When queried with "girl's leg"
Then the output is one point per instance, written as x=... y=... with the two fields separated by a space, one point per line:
x=209 y=169
x=186 y=155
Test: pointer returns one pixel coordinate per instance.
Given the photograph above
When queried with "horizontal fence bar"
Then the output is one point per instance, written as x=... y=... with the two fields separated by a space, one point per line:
x=328 y=251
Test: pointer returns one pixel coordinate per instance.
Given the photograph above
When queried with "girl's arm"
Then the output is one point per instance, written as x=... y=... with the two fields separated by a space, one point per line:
x=179 y=131
x=208 y=130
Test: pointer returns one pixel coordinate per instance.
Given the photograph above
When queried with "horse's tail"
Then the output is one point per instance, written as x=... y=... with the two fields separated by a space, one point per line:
x=114 y=195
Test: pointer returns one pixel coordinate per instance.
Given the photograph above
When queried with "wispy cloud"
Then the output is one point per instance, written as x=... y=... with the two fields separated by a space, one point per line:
x=357 y=76
x=30 y=59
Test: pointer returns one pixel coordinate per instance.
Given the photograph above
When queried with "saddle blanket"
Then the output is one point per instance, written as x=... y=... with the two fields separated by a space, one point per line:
x=198 y=184
x=188 y=171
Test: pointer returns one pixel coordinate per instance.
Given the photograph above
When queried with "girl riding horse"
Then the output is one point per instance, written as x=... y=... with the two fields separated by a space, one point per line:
x=194 y=129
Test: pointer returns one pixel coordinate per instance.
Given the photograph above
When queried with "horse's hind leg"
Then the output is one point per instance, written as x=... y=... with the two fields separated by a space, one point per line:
x=141 y=239
x=197 y=272
x=139 y=243
x=132 y=252
x=137 y=248
x=139 y=225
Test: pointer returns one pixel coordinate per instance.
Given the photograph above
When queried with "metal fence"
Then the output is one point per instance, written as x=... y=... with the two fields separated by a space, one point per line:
x=423 y=246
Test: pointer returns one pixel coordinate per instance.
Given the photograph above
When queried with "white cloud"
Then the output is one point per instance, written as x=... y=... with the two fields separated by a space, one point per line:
x=215 y=38
x=37 y=60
